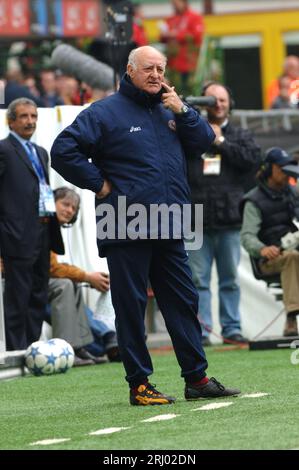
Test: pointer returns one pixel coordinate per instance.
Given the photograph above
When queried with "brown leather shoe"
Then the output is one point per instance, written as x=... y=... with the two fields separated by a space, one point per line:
x=78 y=362
x=84 y=354
x=291 y=327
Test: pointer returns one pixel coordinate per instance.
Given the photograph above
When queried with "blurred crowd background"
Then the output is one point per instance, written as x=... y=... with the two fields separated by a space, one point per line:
x=251 y=46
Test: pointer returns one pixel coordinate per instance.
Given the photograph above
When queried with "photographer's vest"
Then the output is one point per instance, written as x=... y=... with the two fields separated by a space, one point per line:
x=278 y=208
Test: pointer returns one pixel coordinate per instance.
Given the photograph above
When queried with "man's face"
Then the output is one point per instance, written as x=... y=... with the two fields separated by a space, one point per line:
x=25 y=123
x=66 y=208
x=48 y=82
x=149 y=71
x=280 y=178
x=292 y=67
x=218 y=113
x=179 y=6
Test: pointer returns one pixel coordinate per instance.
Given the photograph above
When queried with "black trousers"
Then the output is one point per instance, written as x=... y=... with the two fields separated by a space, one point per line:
x=26 y=293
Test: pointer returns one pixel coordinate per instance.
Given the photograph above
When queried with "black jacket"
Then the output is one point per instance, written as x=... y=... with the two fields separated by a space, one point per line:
x=19 y=201
x=221 y=194
x=278 y=209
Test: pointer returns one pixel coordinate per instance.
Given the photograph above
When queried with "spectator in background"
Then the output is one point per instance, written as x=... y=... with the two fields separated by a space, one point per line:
x=68 y=89
x=217 y=180
x=291 y=70
x=91 y=94
x=48 y=85
x=30 y=83
x=282 y=101
x=68 y=312
x=28 y=226
x=268 y=213
x=182 y=33
x=16 y=88
x=139 y=37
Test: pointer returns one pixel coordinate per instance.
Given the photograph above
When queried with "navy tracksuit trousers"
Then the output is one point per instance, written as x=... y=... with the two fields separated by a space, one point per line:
x=165 y=264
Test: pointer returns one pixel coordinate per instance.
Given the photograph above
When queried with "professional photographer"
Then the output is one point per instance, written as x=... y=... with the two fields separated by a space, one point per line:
x=217 y=179
x=269 y=210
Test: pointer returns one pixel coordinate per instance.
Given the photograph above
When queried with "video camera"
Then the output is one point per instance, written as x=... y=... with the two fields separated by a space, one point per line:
x=201 y=100
x=119 y=19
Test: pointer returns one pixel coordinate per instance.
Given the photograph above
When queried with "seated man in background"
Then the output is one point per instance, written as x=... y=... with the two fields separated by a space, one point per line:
x=269 y=210
x=70 y=318
x=283 y=99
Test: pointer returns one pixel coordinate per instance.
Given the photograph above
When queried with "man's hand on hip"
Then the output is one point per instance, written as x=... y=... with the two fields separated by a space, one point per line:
x=105 y=190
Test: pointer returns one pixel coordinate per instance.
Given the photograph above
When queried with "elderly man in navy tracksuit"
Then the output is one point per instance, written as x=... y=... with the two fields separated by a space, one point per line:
x=131 y=144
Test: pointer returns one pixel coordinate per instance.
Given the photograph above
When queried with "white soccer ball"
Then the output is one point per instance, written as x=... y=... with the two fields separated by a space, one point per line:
x=67 y=354
x=42 y=358
x=49 y=357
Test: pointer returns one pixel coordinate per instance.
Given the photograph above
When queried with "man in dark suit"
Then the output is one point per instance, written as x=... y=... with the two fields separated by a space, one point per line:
x=27 y=220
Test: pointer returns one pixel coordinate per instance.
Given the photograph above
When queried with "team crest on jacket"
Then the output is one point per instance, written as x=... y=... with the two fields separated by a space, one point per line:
x=172 y=125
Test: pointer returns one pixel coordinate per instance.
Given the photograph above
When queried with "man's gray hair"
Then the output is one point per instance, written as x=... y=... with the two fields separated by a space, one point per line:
x=63 y=192
x=132 y=56
x=12 y=107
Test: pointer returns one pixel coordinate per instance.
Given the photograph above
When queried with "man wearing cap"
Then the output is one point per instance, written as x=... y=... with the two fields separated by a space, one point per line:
x=268 y=213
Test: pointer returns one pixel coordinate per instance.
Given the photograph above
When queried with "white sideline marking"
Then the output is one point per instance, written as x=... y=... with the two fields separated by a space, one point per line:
x=48 y=442
x=213 y=406
x=254 y=395
x=106 y=431
x=159 y=418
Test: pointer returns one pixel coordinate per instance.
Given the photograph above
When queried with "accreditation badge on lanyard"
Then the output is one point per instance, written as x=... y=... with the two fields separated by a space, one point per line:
x=211 y=164
x=48 y=198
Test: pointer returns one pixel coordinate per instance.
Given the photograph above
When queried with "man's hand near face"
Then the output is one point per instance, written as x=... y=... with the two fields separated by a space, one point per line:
x=171 y=100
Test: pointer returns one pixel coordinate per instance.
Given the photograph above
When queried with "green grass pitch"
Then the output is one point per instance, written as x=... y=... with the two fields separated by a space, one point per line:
x=87 y=399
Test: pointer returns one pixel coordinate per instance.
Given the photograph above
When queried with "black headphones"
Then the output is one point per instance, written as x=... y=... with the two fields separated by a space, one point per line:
x=229 y=92
x=266 y=165
x=267 y=169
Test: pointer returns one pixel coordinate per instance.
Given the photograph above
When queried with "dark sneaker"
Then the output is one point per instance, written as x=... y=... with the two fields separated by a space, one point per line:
x=291 y=327
x=205 y=341
x=235 y=339
x=212 y=389
x=147 y=395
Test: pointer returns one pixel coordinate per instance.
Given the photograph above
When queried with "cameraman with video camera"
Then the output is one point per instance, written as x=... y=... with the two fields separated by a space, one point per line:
x=268 y=213
x=218 y=179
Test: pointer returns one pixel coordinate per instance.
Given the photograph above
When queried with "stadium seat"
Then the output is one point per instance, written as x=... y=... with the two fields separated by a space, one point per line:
x=272 y=280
